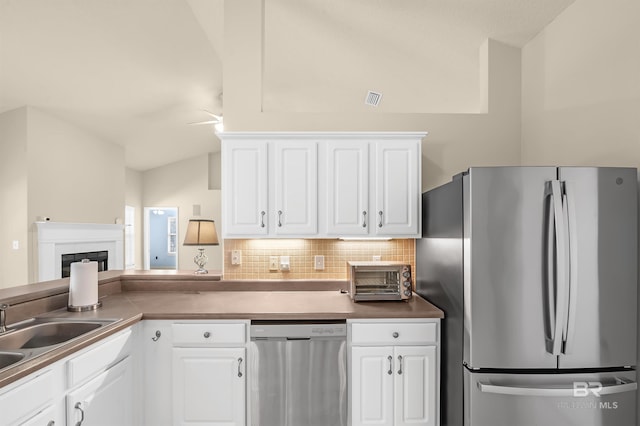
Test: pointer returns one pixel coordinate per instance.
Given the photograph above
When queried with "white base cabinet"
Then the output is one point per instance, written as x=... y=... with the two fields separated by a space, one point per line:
x=95 y=386
x=209 y=386
x=398 y=384
x=195 y=372
x=104 y=400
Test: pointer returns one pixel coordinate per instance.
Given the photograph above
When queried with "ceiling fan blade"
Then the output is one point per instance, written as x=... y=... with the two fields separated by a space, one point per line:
x=205 y=122
x=217 y=117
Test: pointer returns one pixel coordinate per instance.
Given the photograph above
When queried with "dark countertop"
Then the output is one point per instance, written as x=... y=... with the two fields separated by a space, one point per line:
x=164 y=299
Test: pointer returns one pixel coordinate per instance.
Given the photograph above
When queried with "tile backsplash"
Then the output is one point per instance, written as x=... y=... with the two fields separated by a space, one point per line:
x=256 y=254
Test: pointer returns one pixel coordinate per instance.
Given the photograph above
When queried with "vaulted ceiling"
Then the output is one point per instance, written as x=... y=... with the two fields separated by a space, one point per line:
x=137 y=72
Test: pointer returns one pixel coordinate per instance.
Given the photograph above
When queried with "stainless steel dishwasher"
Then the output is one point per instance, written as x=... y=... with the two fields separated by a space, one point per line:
x=298 y=373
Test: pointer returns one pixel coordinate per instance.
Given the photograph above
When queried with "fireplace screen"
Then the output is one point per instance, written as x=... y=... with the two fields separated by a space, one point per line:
x=100 y=256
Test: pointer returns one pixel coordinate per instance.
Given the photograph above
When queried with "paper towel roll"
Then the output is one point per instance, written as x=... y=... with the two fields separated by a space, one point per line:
x=83 y=283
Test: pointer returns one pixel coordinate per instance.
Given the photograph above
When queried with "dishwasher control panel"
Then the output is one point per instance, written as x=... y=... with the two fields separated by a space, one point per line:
x=295 y=330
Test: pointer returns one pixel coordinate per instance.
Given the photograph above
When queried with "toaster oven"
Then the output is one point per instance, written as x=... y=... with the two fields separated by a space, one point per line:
x=379 y=281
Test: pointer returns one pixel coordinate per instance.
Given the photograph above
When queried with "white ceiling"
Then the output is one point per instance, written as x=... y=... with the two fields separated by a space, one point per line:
x=136 y=72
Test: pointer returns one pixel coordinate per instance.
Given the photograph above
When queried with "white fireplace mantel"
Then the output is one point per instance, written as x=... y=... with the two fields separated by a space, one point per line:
x=58 y=238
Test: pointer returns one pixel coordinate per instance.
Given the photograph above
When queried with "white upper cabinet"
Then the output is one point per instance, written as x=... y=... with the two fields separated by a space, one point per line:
x=245 y=186
x=347 y=178
x=296 y=188
x=397 y=189
x=321 y=185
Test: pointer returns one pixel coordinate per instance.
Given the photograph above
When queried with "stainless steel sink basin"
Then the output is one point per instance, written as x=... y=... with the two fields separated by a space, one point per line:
x=47 y=334
x=28 y=339
x=7 y=359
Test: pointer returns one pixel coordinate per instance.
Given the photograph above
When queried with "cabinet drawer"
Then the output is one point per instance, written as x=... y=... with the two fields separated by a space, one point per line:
x=99 y=358
x=24 y=401
x=393 y=333
x=210 y=334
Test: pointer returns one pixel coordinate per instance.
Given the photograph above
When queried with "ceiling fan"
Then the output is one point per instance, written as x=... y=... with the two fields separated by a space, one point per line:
x=216 y=120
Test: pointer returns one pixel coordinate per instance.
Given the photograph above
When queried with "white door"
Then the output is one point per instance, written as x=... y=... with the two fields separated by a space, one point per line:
x=347 y=208
x=105 y=400
x=397 y=190
x=245 y=186
x=372 y=386
x=209 y=386
x=415 y=386
x=296 y=188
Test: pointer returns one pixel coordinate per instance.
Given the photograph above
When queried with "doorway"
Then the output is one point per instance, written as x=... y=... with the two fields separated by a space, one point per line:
x=161 y=238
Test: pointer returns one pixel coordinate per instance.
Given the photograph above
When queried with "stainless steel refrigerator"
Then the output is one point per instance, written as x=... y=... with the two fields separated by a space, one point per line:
x=535 y=269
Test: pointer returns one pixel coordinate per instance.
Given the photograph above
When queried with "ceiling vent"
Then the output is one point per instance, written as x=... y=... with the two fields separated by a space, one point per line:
x=373 y=98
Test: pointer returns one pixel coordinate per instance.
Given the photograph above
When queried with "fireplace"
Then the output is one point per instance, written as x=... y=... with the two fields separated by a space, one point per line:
x=99 y=256
x=58 y=239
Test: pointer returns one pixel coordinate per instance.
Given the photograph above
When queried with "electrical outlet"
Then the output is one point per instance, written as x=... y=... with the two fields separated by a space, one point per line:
x=377 y=258
x=318 y=262
x=236 y=257
x=273 y=263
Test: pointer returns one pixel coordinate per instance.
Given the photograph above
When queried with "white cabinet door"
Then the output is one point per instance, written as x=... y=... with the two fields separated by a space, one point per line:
x=397 y=188
x=347 y=208
x=209 y=386
x=372 y=386
x=415 y=386
x=245 y=188
x=296 y=188
x=157 y=393
x=105 y=400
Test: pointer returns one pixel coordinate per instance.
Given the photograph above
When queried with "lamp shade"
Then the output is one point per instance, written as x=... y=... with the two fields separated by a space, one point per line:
x=201 y=232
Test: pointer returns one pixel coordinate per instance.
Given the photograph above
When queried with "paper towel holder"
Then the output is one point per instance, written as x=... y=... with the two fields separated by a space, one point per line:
x=84 y=308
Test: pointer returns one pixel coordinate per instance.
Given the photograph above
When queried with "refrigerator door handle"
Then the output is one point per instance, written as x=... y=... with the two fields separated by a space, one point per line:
x=562 y=271
x=570 y=217
x=580 y=390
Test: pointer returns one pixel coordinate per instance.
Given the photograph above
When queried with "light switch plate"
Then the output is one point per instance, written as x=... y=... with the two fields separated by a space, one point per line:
x=285 y=263
x=318 y=262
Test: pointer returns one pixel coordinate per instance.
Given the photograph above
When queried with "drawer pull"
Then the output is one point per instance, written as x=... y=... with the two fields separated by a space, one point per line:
x=395 y=334
x=78 y=406
x=207 y=334
x=390 y=358
x=239 y=367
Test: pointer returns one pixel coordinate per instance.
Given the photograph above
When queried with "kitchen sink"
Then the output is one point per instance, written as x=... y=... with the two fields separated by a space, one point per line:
x=28 y=339
x=47 y=334
x=7 y=359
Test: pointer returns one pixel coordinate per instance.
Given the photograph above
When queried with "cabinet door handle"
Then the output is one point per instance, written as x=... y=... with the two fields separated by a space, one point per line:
x=390 y=359
x=51 y=423
x=206 y=334
x=239 y=367
x=364 y=219
x=158 y=334
x=380 y=222
x=262 y=213
x=78 y=406
x=400 y=361
x=279 y=218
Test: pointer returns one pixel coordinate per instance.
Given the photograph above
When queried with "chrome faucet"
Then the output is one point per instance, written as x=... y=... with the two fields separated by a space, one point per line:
x=3 y=317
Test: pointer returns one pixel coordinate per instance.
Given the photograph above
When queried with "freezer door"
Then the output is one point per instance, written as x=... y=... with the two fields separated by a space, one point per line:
x=601 y=323
x=595 y=399
x=505 y=287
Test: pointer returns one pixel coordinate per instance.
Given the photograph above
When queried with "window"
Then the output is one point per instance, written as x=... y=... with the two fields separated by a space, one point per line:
x=172 y=235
